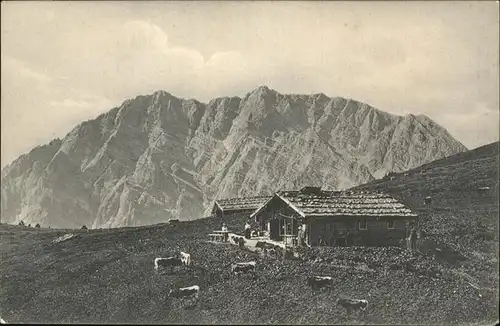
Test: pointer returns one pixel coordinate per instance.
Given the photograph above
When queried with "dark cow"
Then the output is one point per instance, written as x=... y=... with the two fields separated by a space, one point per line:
x=171 y=262
x=353 y=304
x=238 y=240
x=264 y=245
x=188 y=293
x=270 y=252
x=318 y=282
x=241 y=268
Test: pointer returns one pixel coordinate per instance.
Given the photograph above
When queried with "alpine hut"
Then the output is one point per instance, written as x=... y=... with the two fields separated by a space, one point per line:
x=335 y=217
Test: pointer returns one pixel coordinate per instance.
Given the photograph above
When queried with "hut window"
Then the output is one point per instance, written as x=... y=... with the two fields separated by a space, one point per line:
x=362 y=225
x=391 y=224
x=288 y=229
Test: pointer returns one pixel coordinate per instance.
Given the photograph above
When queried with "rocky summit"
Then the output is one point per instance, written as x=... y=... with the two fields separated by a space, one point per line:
x=157 y=157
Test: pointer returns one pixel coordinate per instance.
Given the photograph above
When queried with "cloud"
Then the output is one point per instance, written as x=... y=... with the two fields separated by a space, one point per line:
x=14 y=66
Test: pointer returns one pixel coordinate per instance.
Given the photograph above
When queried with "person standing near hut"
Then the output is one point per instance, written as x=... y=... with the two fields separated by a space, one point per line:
x=247 y=230
x=300 y=237
x=413 y=240
x=224 y=229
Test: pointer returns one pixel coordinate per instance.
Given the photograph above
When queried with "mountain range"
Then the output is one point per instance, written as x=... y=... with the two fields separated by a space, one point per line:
x=157 y=156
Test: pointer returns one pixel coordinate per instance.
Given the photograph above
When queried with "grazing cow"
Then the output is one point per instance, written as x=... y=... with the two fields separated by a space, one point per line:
x=353 y=304
x=263 y=245
x=241 y=242
x=172 y=262
x=237 y=240
x=240 y=268
x=270 y=252
x=318 y=282
x=190 y=292
x=186 y=258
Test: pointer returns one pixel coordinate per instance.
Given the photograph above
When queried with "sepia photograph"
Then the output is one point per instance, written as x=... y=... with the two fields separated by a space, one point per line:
x=250 y=162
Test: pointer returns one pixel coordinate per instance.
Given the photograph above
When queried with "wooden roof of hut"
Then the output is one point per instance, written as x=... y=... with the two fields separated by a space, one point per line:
x=241 y=203
x=312 y=201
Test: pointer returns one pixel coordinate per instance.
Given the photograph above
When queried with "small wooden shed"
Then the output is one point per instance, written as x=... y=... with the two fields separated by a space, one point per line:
x=243 y=206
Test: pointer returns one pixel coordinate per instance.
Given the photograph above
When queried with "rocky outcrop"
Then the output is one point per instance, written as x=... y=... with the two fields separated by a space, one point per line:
x=157 y=157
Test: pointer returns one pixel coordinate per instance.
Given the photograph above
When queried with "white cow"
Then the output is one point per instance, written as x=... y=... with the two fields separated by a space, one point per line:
x=185 y=259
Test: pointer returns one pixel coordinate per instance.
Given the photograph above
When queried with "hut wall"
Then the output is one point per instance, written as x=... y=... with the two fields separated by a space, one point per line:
x=274 y=207
x=235 y=220
x=269 y=217
x=377 y=232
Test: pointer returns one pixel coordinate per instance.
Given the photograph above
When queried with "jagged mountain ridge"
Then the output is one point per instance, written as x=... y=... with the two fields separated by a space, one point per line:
x=157 y=156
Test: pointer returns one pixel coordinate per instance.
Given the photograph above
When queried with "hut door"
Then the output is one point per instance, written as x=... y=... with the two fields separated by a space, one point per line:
x=274 y=232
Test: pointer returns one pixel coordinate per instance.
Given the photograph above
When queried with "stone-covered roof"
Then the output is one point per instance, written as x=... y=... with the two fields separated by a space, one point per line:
x=316 y=202
x=345 y=203
x=242 y=203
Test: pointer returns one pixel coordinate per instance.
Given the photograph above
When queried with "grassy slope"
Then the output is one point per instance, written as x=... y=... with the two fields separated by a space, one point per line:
x=460 y=217
x=107 y=275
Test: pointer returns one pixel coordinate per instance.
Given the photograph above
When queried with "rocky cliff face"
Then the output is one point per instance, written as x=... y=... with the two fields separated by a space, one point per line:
x=158 y=157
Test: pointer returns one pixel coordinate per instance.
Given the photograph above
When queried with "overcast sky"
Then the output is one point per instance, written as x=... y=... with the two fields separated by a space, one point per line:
x=65 y=62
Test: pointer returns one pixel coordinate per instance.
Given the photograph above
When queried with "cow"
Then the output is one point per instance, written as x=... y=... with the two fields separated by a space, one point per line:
x=318 y=282
x=237 y=240
x=264 y=245
x=186 y=258
x=187 y=293
x=352 y=304
x=270 y=252
x=2 y=321
x=173 y=261
x=240 y=268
